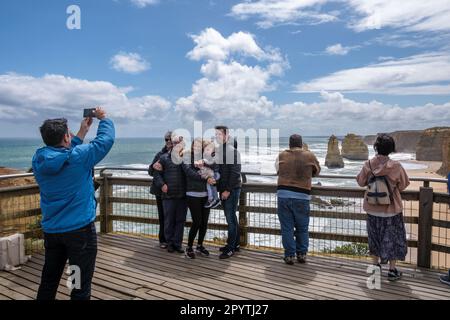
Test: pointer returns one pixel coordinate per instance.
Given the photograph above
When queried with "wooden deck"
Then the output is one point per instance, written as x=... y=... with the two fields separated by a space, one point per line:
x=136 y=268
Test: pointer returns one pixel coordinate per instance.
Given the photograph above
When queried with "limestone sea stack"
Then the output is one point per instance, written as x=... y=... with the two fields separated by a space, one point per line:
x=429 y=147
x=445 y=168
x=334 y=158
x=354 y=148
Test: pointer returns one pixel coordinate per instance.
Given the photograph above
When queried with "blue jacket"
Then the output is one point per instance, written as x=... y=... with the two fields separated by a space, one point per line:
x=65 y=180
x=448 y=183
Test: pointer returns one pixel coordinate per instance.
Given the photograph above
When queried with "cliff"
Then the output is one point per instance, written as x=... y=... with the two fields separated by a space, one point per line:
x=405 y=141
x=445 y=168
x=429 y=147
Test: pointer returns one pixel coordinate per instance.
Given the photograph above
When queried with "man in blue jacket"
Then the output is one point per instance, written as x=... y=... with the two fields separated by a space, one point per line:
x=63 y=170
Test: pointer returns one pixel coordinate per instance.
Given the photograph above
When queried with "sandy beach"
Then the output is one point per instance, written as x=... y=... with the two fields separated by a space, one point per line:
x=429 y=172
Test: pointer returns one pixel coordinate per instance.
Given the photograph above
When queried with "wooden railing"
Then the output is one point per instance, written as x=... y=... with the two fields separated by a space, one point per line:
x=20 y=205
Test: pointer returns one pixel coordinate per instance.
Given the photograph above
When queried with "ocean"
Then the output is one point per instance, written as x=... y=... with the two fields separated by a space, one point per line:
x=139 y=152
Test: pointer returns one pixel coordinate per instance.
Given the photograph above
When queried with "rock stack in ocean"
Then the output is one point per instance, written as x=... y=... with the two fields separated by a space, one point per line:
x=354 y=148
x=445 y=168
x=429 y=147
x=334 y=158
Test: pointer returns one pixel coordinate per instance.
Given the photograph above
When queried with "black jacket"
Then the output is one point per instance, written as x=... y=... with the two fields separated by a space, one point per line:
x=173 y=175
x=151 y=171
x=229 y=162
x=194 y=182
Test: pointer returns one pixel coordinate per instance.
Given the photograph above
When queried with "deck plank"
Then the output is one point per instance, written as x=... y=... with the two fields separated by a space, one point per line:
x=130 y=267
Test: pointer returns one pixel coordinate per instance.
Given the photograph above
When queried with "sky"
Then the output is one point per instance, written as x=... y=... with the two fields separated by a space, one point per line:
x=314 y=67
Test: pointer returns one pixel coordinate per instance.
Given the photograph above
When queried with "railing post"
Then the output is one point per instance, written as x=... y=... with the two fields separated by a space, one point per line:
x=106 y=207
x=243 y=222
x=425 y=227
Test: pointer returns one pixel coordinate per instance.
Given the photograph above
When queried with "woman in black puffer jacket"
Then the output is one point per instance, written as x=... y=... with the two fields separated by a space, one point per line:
x=197 y=197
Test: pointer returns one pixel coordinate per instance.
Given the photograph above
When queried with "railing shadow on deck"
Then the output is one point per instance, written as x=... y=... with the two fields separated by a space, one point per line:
x=337 y=225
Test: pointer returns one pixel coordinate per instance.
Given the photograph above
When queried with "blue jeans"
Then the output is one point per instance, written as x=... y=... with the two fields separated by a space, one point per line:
x=294 y=221
x=230 y=207
x=212 y=190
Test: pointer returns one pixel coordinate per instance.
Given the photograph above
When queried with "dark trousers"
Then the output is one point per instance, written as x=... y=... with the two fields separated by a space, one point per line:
x=80 y=247
x=230 y=207
x=175 y=211
x=159 y=204
x=200 y=216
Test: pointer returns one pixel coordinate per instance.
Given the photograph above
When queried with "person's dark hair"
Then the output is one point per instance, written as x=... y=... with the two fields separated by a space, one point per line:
x=384 y=145
x=295 y=141
x=53 y=131
x=224 y=129
x=168 y=135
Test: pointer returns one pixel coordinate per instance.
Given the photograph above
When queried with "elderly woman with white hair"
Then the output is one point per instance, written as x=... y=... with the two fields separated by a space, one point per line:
x=171 y=180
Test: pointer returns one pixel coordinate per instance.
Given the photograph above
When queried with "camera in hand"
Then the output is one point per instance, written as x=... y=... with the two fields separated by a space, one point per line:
x=89 y=113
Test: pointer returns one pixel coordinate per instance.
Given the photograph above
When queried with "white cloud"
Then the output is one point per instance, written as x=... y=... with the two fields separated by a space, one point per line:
x=144 y=3
x=424 y=74
x=23 y=96
x=231 y=90
x=413 y=15
x=211 y=45
x=129 y=63
x=274 y=12
x=337 y=49
x=335 y=113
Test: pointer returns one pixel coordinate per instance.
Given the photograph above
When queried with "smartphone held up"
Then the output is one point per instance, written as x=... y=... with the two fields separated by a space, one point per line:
x=89 y=113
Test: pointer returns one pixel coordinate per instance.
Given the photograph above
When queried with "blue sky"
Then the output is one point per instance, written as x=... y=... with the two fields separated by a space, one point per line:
x=312 y=66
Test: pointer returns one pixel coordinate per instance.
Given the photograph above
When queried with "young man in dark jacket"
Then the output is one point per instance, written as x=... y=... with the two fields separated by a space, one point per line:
x=229 y=186
x=63 y=170
x=156 y=165
x=171 y=180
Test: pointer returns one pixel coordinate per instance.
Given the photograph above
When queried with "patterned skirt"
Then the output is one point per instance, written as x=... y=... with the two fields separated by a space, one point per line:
x=387 y=237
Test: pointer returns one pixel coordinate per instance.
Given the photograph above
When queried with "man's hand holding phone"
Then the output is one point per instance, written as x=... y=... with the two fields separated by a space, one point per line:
x=98 y=113
x=89 y=115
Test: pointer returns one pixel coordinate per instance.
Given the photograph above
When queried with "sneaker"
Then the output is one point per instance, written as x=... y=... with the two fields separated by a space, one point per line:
x=445 y=279
x=289 y=260
x=226 y=254
x=170 y=249
x=163 y=245
x=179 y=250
x=237 y=249
x=394 y=275
x=202 y=251
x=301 y=258
x=189 y=253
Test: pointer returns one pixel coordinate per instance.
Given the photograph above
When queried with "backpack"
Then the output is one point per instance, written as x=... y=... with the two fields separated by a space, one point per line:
x=379 y=190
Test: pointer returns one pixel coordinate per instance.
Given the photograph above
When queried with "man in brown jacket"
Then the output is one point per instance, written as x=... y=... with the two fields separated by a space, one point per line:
x=296 y=168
